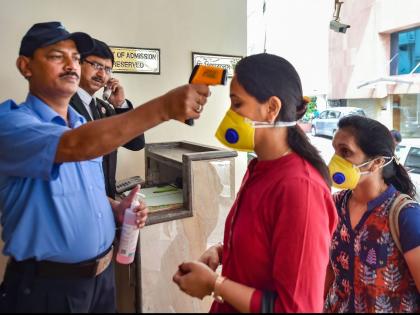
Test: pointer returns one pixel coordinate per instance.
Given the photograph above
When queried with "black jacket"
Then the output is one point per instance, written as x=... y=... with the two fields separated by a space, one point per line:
x=109 y=162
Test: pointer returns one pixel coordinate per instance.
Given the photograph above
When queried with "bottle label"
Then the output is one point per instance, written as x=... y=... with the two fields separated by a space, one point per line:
x=128 y=241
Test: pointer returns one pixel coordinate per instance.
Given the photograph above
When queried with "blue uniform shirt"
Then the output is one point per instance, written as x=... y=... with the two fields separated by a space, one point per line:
x=49 y=211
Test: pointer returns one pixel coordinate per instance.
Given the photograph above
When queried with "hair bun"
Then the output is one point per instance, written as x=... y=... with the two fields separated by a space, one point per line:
x=305 y=100
x=301 y=110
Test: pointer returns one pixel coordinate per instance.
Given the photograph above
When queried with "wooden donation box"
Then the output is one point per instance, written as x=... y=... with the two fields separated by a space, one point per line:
x=189 y=190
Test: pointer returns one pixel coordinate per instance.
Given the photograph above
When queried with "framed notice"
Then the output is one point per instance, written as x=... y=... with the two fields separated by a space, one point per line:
x=227 y=62
x=136 y=60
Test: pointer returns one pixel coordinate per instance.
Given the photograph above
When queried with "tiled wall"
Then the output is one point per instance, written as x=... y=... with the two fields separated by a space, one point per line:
x=164 y=246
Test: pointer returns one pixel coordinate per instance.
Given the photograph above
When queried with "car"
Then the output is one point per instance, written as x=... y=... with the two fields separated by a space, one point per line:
x=326 y=123
x=408 y=152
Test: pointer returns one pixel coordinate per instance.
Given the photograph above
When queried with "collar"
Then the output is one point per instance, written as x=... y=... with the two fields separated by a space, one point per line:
x=47 y=114
x=84 y=96
x=256 y=165
x=381 y=198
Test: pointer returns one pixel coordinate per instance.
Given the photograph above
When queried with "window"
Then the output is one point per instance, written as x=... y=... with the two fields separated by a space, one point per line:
x=400 y=150
x=337 y=103
x=405 y=52
x=412 y=163
x=358 y=112
x=323 y=115
x=334 y=114
x=406 y=114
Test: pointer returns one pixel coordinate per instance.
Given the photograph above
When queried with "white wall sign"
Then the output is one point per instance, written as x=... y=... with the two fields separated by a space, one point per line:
x=227 y=62
x=136 y=60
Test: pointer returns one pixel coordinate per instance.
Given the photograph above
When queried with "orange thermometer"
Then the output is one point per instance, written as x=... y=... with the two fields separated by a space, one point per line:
x=208 y=75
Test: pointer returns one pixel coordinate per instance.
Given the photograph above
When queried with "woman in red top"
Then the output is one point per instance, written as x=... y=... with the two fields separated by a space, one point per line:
x=279 y=229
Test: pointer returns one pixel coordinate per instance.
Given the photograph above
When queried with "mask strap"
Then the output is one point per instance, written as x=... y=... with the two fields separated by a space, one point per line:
x=363 y=164
x=390 y=160
x=383 y=157
x=277 y=124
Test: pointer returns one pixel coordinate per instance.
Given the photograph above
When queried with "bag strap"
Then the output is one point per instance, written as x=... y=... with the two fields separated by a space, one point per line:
x=268 y=302
x=398 y=204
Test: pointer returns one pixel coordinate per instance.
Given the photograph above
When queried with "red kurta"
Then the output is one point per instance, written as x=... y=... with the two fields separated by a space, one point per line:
x=278 y=234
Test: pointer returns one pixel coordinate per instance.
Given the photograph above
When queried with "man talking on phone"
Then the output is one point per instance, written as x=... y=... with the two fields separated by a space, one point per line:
x=96 y=71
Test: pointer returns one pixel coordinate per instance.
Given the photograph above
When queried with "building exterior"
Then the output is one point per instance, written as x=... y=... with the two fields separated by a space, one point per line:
x=297 y=31
x=375 y=65
x=176 y=28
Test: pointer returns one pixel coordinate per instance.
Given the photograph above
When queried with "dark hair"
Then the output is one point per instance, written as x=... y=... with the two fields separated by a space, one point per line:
x=101 y=50
x=396 y=135
x=376 y=140
x=266 y=75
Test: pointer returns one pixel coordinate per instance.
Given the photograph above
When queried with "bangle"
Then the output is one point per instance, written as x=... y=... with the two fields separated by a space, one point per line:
x=216 y=292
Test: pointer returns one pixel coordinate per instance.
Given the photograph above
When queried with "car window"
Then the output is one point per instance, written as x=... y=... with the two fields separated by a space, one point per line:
x=399 y=149
x=412 y=162
x=359 y=112
x=333 y=114
x=323 y=115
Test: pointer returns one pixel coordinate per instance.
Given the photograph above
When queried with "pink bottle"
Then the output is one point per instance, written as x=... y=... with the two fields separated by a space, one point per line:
x=129 y=236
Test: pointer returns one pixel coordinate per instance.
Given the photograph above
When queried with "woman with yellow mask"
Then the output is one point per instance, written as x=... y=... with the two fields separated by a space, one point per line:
x=372 y=268
x=279 y=229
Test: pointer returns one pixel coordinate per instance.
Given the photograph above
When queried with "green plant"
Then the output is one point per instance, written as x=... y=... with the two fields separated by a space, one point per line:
x=311 y=111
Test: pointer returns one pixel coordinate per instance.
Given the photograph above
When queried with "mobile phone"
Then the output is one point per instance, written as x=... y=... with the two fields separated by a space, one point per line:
x=107 y=93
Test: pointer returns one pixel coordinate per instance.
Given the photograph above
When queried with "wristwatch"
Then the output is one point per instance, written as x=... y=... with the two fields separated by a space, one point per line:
x=216 y=292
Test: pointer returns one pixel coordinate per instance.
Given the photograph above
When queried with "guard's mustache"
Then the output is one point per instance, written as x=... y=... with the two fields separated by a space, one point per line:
x=69 y=73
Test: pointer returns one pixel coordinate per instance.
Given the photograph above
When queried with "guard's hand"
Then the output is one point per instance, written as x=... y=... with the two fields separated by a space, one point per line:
x=185 y=102
x=195 y=279
x=141 y=210
x=117 y=97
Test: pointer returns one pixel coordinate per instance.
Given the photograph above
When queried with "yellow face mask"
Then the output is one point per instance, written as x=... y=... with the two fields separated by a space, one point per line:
x=346 y=175
x=238 y=132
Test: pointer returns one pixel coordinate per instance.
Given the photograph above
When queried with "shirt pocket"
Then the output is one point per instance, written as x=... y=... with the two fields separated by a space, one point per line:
x=77 y=176
x=68 y=181
x=94 y=173
x=374 y=255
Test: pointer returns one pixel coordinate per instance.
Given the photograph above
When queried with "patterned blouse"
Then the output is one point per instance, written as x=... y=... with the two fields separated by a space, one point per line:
x=371 y=275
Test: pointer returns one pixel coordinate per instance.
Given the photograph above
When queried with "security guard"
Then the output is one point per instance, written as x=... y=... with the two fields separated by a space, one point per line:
x=58 y=224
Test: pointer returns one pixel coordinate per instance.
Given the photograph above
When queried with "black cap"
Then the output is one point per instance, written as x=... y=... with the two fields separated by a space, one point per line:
x=101 y=50
x=48 y=33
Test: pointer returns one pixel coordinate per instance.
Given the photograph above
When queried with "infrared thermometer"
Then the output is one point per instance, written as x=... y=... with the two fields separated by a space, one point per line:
x=208 y=75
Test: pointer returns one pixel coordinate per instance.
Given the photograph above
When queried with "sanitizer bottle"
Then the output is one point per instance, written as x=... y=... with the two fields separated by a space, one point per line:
x=129 y=235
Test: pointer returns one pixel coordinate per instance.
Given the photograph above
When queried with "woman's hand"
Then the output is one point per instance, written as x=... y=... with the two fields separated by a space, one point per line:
x=212 y=257
x=141 y=210
x=195 y=279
